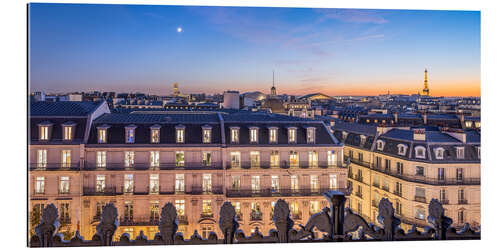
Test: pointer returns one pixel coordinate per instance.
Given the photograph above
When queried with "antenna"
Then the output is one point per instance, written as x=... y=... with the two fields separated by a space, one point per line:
x=273 y=77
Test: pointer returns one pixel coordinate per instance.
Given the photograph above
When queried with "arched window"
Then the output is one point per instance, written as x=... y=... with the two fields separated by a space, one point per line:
x=402 y=149
x=420 y=152
x=439 y=152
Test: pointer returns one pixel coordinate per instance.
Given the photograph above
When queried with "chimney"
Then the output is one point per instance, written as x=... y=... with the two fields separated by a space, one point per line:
x=419 y=134
x=383 y=130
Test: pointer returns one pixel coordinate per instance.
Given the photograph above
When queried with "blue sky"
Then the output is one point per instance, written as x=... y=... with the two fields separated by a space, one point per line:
x=128 y=48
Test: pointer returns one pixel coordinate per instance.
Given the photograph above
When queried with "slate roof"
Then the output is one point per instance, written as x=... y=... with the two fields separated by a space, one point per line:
x=44 y=108
x=355 y=128
x=156 y=117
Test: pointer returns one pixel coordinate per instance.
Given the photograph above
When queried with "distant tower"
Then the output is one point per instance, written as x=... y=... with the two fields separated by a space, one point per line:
x=273 y=89
x=176 y=89
x=426 y=85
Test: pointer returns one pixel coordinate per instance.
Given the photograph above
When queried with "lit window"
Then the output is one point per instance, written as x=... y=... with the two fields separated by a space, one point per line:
x=292 y=135
x=311 y=134
x=44 y=132
x=294 y=183
x=130 y=134
x=275 y=183
x=42 y=158
x=314 y=183
x=333 y=181
x=313 y=207
x=154 y=211
x=40 y=185
x=255 y=183
x=101 y=159
x=254 y=159
x=179 y=183
x=155 y=134
x=294 y=208
x=179 y=134
x=66 y=158
x=64 y=213
x=154 y=159
x=236 y=182
x=254 y=137
x=128 y=183
x=460 y=152
x=179 y=206
x=275 y=159
x=331 y=158
x=468 y=124
x=313 y=159
x=179 y=159
x=420 y=214
x=154 y=184
x=101 y=135
x=235 y=159
x=207 y=183
x=294 y=159
x=100 y=183
x=207 y=159
x=129 y=159
x=129 y=211
x=64 y=185
x=207 y=207
x=235 y=135
x=207 y=134
x=68 y=133
x=273 y=135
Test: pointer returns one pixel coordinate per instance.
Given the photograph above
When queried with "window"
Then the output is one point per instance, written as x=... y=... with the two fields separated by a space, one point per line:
x=380 y=145
x=294 y=159
x=273 y=135
x=254 y=137
x=207 y=183
x=65 y=158
x=313 y=207
x=441 y=174
x=128 y=183
x=207 y=207
x=460 y=216
x=44 y=133
x=154 y=159
x=42 y=158
x=376 y=181
x=275 y=159
x=398 y=189
x=419 y=171
x=420 y=152
x=179 y=159
x=101 y=159
x=399 y=208
x=378 y=162
x=255 y=184
x=102 y=134
x=40 y=185
x=207 y=134
x=439 y=153
x=360 y=207
x=129 y=211
x=207 y=159
x=331 y=158
x=68 y=133
x=64 y=185
x=155 y=134
x=387 y=165
x=399 y=168
x=235 y=186
x=333 y=181
x=292 y=135
x=314 y=183
x=237 y=208
x=402 y=149
x=256 y=214
x=179 y=183
x=179 y=206
x=313 y=159
x=154 y=184
x=275 y=183
x=179 y=134
x=420 y=194
x=129 y=159
x=460 y=174
x=99 y=205
x=254 y=159
x=442 y=196
x=420 y=214
x=294 y=183
x=386 y=185
x=360 y=156
x=154 y=211
x=64 y=216
x=235 y=159
x=460 y=152
x=479 y=152
x=294 y=208
x=235 y=135
x=362 y=140
x=311 y=134
x=100 y=183
x=130 y=134
x=351 y=154
x=461 y=196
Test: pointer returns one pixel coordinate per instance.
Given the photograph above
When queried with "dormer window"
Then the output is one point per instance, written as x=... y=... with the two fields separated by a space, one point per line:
x=292 y=135
x=460 y=152
x=420 y=152
x=44 y=130
x=380 y=145
x=344 y=135
x=102 y=134
x=130 y=133
x=273 y=135
x=179 y=133
x=254 y=135
x=479 y=152
x=68 y=130
x=402 y=149
x=311 y=135
x=155 y=133
x=207 y=134
x=362 y=139
x=235 y=134
x=439 y=152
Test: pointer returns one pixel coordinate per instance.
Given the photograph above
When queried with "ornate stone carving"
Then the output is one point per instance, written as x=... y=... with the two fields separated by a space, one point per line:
x=437 y=219
x=282 y=221
x=108 y=225
x=227 y=222
x=168 y=223
x=48 y=226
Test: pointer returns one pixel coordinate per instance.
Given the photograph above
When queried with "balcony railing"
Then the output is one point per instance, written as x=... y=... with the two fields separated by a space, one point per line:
x=280 y=192
x=462 y=201
x=54 y=167
x=107 y=191
x=420 y=199
x=148 y=166
x=200 y=190
x=207 y=215
x=282 y=164
x=444 y=202
x=417 y=178
x=139 y=221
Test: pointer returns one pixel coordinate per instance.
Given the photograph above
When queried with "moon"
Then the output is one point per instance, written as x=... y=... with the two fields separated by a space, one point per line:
x=179 y=29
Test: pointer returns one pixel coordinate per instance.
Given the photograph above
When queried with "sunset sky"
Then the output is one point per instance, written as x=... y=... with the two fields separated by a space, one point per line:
x=129 y=48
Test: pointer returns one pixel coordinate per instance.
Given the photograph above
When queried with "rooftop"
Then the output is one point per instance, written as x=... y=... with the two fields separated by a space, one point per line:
x=44 y=108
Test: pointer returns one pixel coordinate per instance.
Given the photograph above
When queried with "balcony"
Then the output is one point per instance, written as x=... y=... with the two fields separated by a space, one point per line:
x=182 y=219
x=283 y=165
x=420 y=199
x=139 y=221
x=444 y=202
x=281 y=192
x=107 y=191
x=147 y=166
x=54 y=167
x=200 y=190
x=63 y=192
x=462 y=201
x=207 y=215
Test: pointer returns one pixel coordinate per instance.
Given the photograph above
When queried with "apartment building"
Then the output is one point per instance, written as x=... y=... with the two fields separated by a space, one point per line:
x=195 y=160
x=410 y=166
